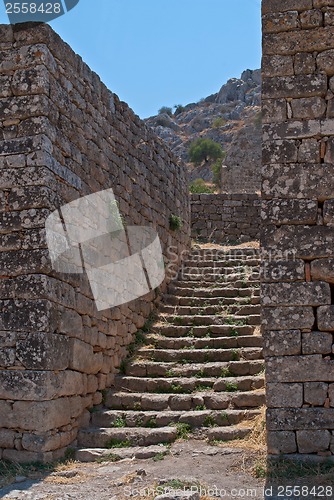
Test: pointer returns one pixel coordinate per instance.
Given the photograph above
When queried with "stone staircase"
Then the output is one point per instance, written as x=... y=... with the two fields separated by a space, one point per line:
x=200 y=369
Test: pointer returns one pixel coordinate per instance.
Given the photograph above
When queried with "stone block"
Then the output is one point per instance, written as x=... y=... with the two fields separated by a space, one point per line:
x=7 y=438
x=315 y=393
x=317 y=40
x=304 y=64
x=310 y=19
x=325 y=62
x=281 y=442
x=282 y=270
x=295 y=87
x=280 y=21
x=289 y=211
x=31 y=81
x=317 y=343
x=274 y=110
x=277 y=66
x=323 y=270
x=83 y=358
x=305 y=242
x=291 y=419
x=285 y=5
x=284 y=395
x=27 y=315
x=47 y=441
x=310 y=368
x=282 y=343
x=287 y=318
x=329 y=17
x=329 y=155
x=308 y=108
x=313 y=441
x=309 y=151
x=296 y=294
x=280 y=152
x=318 y=4
x=44 y=352
x=45 y=415
x=291 y=129
x=71 y=323
x=325 y=317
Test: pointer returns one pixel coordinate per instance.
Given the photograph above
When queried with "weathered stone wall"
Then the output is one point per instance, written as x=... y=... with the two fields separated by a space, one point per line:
x=298 y=219
x=65 y=135
x=225 y=218
x=241 y=178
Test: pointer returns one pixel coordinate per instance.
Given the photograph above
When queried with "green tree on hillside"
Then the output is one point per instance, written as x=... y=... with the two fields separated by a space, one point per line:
x=204 y=150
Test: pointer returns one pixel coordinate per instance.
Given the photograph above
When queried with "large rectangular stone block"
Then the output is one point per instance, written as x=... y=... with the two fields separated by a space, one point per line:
x=46 y=415
x=291 y=419
x=296 y=87
x=296 y=294
x=282 y=270
x=289 y=211
x=280 y=152
x=305 y=242
x=284 y=395
x=287 y=318
x=281 y=442
x=292 y=129
x=299 y=369
x=282 y=343
x=298 y=181
x=277 y=66
x=285 y=5
x=291 y=42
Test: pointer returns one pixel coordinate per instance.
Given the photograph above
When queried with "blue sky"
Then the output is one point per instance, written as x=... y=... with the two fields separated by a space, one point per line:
x=155 y=53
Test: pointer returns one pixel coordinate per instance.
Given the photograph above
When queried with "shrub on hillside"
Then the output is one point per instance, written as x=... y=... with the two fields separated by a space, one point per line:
x=165 y=110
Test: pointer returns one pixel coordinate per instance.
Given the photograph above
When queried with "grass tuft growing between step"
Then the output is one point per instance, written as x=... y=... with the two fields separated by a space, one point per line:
x=183 y=430
x=231 y=387
x=117 y=443
x=119 y=422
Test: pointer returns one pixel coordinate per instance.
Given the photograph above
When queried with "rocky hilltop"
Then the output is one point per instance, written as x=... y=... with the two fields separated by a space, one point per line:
x=230 y=117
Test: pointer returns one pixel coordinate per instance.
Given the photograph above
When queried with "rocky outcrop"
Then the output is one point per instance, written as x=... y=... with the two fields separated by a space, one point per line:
x=230 y=117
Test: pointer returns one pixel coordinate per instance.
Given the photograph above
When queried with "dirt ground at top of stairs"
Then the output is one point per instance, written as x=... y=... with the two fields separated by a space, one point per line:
x=216 y=471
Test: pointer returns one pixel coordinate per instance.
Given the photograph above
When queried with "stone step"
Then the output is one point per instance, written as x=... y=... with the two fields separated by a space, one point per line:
x=222 y=263
x=205 y=310
x=174 y=300
x=135 y=452
x=230 y=284
x=223 y=254
x=210 y=320
x=179 y=385
x=200 y=355
x=204 y=343
x=152 y=419
x=216 y=369
x=173 y=331
x=212 y=292
x=159 y=402
x=202 y=272
x=229 y=433
x=99 y=437
x=234 y=277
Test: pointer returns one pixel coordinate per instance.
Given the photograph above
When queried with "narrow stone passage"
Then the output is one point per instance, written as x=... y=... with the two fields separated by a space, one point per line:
x=199 y=369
